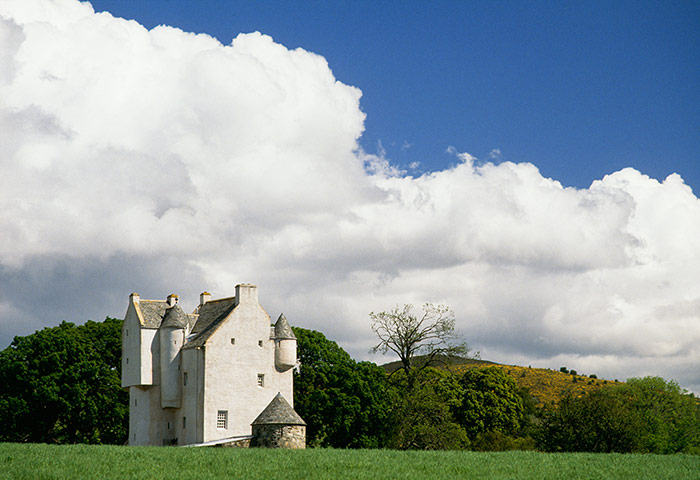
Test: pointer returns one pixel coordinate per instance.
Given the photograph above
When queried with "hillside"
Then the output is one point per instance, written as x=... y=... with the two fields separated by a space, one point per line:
x=545 y=385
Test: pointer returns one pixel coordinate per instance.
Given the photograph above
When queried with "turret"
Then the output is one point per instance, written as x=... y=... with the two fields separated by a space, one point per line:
x=285 y=345
x=172 y=337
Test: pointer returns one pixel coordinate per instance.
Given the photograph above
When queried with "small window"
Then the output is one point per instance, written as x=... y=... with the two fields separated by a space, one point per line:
x=222 y=419
x=127 y=360
x=261 y=380
x=168 y=425
x=127 y=332
x=259 y=343
x=135 y=402
x=184 y=423
x=233 y=341
x=184 y=378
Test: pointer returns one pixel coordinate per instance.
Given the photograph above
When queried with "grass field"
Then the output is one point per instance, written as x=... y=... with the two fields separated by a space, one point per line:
x=30 y=461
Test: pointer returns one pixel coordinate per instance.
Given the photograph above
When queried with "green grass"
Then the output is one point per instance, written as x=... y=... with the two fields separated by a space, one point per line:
x=31 y=461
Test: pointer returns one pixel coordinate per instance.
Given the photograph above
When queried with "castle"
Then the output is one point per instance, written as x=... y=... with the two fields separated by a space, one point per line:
x=208 y=376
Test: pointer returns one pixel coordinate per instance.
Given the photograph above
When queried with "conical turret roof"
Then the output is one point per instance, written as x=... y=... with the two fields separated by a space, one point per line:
x=279 y=412
x=174 y=318
x=283 y=330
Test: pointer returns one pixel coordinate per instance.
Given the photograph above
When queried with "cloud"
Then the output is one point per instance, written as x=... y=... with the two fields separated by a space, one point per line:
x=161 y=161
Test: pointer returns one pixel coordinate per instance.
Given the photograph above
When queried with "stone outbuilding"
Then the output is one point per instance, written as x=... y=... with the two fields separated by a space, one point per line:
x=204 y=377
x=279 y=426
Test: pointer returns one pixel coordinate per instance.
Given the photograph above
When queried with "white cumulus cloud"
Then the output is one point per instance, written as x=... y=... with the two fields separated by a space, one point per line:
x=159 y=161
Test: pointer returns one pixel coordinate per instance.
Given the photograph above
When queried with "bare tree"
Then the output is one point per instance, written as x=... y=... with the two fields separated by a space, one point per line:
x=431 y=334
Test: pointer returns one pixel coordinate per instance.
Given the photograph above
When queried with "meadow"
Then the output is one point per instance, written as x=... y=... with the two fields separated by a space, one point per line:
x=38 y=461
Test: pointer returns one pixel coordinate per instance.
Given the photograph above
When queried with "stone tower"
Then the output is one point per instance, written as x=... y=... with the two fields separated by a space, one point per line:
x=279 y=426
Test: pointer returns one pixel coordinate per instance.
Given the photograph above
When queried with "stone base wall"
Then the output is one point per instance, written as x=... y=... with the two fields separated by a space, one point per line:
x=242 y=443
x=279 y=436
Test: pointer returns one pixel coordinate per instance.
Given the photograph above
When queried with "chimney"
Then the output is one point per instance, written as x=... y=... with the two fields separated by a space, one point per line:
x=134 y=298
x=246 y=293
x=172 y=299
x=204 y=297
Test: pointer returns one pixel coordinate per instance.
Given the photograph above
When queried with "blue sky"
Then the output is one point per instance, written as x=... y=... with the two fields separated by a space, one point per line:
x=580 y=89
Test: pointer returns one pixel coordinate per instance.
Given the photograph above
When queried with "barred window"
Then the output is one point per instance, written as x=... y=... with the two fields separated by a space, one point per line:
x=261 y=380
x=222 y=419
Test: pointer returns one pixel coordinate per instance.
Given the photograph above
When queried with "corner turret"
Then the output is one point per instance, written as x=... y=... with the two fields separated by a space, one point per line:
x=285 y=345
x=172 y=337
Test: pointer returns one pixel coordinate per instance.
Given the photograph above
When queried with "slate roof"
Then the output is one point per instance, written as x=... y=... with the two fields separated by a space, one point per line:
x=278 y=412
x=154 y=311
x=211 y=314
x=174 y=317
x=283 y=330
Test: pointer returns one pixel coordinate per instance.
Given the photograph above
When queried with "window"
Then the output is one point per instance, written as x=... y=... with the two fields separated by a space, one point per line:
x=168 y=425
x=261 y=380
x=184 y=378
x=127 y=360
x=222 y=419
x=233 y=341
x=259 y=343
x=135 y=402
x=184 y=423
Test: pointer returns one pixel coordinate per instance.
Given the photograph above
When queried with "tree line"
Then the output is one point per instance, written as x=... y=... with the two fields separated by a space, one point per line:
x=62 y=385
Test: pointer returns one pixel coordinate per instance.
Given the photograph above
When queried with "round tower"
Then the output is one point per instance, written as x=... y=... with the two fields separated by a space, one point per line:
x=172 y=337
x=285 y=345
x=279 y=426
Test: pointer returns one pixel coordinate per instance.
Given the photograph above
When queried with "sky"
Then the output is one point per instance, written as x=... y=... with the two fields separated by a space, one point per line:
x=535 y=166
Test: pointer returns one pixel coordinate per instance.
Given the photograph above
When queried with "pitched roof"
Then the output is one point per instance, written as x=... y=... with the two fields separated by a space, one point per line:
x=283 y=330
x=152 y=312
x=211 y=314
x=278 y=412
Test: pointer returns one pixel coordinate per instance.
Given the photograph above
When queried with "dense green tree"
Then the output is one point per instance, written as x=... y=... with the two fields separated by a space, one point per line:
x=648 y=415
x=491 y=402
x=344 y=403
x=668 y=417
x=62 y=385
x=422 y=413
x=599 y=421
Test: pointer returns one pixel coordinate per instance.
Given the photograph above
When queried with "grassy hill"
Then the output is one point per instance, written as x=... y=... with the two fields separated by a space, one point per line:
x=545 y=385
